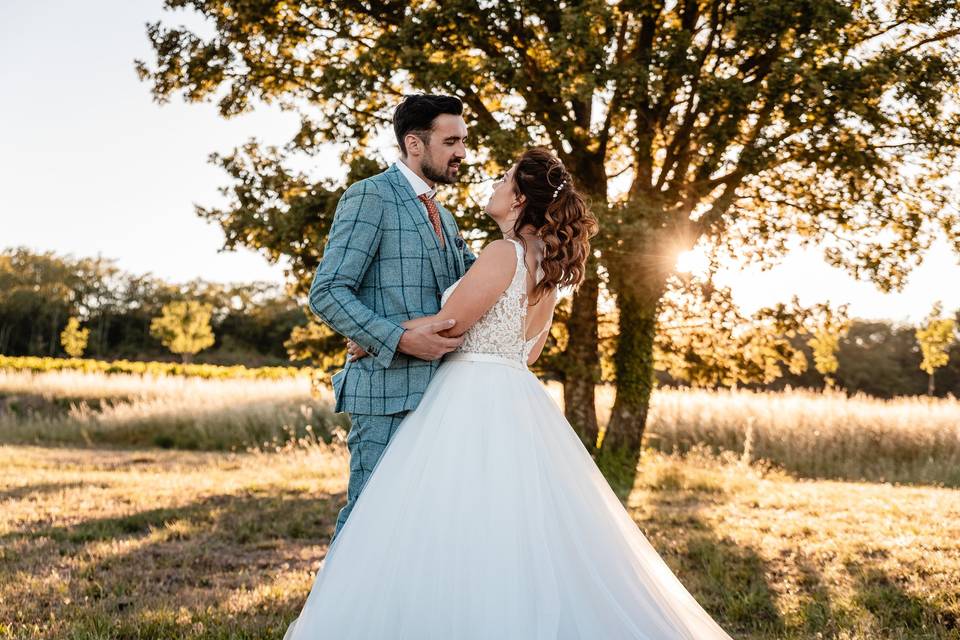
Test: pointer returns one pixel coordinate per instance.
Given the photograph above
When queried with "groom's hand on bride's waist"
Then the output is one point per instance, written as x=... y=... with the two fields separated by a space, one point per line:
x=426 y=343
x=355 y=351
x=423 y=342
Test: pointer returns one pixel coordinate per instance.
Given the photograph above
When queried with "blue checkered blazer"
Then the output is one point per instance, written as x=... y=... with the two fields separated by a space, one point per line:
x=382 y=265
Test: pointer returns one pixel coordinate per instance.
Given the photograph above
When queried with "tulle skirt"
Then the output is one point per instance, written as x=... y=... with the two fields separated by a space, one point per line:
x=486 y=518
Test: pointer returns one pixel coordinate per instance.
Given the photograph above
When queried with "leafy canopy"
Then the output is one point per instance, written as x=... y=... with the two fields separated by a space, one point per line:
x=744 y=121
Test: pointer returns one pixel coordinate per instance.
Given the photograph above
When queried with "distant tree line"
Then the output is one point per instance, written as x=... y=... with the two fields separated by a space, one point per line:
x=705 y=341
x=883 y=359
x=61 y=306
x=113 y=312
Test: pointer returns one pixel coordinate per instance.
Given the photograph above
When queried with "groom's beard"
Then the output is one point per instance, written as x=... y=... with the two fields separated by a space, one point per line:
x=444 y=175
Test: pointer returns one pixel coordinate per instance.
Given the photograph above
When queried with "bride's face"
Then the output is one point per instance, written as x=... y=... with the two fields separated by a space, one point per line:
x=504 y=204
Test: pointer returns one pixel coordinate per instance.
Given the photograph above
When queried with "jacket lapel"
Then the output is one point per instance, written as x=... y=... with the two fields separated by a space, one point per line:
x=449 y=224
x=418 y=217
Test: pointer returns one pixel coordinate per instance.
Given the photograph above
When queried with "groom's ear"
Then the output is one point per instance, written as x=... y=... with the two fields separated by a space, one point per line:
x=414 y=144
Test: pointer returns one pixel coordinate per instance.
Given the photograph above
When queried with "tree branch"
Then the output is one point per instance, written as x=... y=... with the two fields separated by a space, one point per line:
x=614 y=105
x=946 y=35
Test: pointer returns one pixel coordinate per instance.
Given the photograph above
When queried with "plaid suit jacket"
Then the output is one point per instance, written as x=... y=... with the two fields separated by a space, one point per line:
x=382 y=265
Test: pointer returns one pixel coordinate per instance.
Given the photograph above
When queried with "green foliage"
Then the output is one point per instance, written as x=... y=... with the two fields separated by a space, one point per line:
x=207 y=371
x=878 y=358
x=184 y=327
x=39 y=292
x=278 y=212
x=318 y=344
x=935 y=336
x=706 y=341
x=73 y=338
x=826 y=342
x=740 y=122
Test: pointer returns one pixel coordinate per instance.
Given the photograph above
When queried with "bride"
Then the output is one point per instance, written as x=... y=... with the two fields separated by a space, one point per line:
x=485 y=517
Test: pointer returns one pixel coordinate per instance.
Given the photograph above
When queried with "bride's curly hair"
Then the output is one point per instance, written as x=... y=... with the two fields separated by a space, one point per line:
x=558 y=212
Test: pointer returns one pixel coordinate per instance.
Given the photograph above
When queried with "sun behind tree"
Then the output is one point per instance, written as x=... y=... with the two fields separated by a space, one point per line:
x=184 y=327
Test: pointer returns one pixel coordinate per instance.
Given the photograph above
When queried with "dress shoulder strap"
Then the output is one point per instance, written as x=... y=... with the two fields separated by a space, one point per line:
x=521 y=263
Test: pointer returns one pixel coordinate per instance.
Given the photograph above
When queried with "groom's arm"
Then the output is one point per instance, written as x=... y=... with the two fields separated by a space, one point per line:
x=354 y=238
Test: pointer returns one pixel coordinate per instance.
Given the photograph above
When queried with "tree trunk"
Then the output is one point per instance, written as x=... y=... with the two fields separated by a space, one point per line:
x=32 y=345
x=581 y=362
x=634 y=367
x=930 y=385
x=54 y=335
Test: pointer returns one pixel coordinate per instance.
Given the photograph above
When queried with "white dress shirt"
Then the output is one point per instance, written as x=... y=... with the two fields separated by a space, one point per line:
x=419 y=186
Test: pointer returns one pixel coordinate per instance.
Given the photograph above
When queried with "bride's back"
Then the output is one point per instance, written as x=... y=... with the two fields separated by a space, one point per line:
x=539 y=307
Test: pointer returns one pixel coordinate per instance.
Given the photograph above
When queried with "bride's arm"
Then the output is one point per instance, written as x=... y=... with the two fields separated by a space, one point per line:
x=413 y=323
x=486 y=280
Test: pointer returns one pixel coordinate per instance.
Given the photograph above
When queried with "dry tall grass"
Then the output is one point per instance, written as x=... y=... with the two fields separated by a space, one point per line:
x=807 y=433
x=165 y=411
x=911 y=439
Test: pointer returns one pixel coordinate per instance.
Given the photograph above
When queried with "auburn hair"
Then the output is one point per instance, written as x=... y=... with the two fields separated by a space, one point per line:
x=554 y=207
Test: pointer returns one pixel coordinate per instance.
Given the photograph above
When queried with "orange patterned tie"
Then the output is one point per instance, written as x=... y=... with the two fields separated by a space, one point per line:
x=434 y=213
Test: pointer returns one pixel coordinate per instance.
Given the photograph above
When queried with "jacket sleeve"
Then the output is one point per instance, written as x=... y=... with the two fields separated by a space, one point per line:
x=351 y=246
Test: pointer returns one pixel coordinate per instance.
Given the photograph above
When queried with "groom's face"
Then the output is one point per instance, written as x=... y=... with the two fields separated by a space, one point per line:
x=445 y=149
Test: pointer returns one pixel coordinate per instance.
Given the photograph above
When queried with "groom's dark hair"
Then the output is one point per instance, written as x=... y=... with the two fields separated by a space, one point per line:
x=418 y=111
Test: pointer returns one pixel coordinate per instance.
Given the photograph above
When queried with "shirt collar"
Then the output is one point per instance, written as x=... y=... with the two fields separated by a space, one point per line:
x=419 y=186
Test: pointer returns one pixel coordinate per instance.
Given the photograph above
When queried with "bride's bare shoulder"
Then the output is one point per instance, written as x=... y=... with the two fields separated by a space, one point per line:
x=499 y=247
x=498 y=256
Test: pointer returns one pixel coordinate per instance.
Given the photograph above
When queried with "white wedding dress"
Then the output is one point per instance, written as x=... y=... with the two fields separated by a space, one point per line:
x=487 y=519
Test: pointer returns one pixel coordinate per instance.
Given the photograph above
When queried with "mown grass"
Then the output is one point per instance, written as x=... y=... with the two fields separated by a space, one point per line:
x=158 y=544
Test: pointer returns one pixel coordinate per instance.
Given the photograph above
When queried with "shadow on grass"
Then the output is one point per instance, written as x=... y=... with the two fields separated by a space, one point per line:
x=817 y=615
x=899 y=614
x=227 y=566
x=19 y=493
x=729 y=580
x=742 y=590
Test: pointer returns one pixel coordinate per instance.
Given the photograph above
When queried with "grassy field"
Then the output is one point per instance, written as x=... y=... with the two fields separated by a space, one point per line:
x=806 y=433
x=757 y=501
x=818 y=435
x=170 y=544
x=97 y=409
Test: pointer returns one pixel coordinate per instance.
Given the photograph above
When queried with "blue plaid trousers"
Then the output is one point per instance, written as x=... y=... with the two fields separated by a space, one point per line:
x=368 y=437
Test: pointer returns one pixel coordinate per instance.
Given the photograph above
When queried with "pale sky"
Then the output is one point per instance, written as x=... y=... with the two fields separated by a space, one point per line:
x=89 y=165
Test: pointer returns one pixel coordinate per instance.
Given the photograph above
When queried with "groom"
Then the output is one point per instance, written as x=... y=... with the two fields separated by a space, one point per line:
x=391 y=253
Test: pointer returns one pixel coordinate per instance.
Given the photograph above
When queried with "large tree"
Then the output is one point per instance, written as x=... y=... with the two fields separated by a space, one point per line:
x=734 y=123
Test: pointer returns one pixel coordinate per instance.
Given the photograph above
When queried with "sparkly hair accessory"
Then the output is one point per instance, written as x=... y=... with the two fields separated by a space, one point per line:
x=560 y=186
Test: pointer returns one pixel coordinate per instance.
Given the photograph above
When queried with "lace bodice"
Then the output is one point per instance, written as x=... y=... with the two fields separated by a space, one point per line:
x=500 y=331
